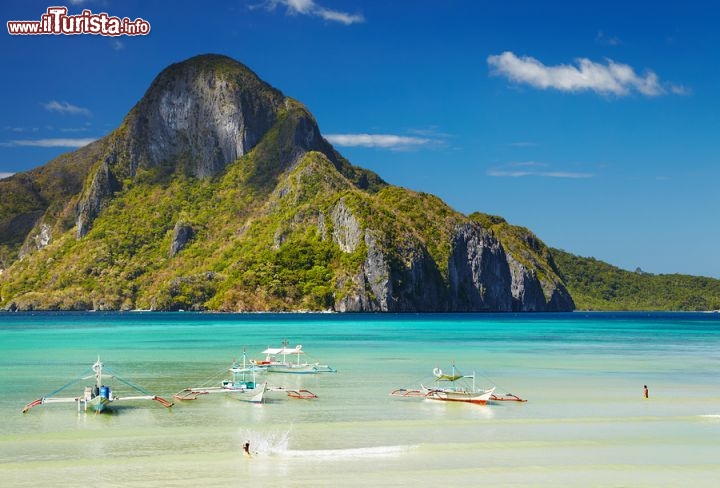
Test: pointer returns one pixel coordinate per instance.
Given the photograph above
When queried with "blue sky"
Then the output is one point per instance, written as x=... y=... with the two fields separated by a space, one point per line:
x=593 y=123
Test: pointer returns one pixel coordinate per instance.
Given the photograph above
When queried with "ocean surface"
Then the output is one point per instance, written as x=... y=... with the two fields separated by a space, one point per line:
x=586 y=422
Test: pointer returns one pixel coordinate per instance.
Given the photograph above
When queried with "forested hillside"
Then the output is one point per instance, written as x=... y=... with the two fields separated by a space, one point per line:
x=595 y=285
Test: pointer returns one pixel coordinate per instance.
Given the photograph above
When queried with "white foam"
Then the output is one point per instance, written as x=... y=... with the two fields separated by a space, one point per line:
x=351 y=453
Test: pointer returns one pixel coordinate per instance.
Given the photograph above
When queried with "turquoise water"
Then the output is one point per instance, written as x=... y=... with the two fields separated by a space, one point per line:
x=585 y=421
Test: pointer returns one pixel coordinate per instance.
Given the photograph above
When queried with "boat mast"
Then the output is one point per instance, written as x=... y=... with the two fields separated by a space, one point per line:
x=97 y=367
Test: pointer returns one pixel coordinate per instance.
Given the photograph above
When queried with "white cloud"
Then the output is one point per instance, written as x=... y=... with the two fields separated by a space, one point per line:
x=49 y=142
x=65 y=108
x=611 y=78
x=309 y=7
x=385 y=141
x=5 y=175
x=534 y=168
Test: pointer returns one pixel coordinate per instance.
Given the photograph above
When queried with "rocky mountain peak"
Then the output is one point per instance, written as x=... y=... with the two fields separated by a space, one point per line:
x=202 y=114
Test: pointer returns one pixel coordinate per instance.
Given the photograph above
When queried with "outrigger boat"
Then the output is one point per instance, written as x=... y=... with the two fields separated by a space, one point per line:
x=242 y=385
x=97 y=397
x=274 y=364
x=454 y=387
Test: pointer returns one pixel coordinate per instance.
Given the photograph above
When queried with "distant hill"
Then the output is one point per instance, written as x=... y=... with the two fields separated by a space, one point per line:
x=595 y=285
x=217 y=192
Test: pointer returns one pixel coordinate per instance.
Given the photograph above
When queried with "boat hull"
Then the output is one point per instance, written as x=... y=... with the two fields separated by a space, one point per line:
x=298 y=368
x=97 y=404
x=475 y=397
x=244 y=394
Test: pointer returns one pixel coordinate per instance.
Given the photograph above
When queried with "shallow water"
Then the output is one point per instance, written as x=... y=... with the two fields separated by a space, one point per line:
x=586 y=421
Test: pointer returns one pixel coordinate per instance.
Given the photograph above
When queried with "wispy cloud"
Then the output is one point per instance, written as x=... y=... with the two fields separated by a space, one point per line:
x=384 y=141
x=22 y=129
x=608 y=79
x=547 y=174
x=605 y=40
x=309 y=7
x=5 y=175
x=65 y=108
x=680 y=90
x=534 y=168
x=523 y=144
x=117 y=45
x=60 y=142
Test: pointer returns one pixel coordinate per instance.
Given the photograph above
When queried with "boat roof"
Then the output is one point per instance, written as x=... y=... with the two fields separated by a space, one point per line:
x=450 y=377
x=284 y=350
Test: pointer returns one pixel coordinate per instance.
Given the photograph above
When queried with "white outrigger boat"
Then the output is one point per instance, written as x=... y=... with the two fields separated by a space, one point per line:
x=242 y=385
x=99 y=396
x=453 y=387
x=277 y=360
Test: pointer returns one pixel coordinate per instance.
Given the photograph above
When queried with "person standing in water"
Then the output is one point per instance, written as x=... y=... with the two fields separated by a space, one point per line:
x=246 y=448
x=645 y=391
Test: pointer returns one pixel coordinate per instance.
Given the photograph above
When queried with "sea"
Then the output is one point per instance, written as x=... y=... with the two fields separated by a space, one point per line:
x=586 y=421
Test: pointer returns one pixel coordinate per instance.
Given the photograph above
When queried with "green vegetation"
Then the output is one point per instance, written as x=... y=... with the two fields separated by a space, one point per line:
x=43 y=191
x=431 y=219
x=595 y=285
x=257 y=244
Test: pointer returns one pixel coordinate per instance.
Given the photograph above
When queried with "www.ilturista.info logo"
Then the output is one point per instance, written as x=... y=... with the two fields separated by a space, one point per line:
x=57 y=21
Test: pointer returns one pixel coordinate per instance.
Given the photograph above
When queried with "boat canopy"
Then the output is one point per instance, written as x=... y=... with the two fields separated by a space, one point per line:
x=450 y=377
x=284 y=350
x=441 y=376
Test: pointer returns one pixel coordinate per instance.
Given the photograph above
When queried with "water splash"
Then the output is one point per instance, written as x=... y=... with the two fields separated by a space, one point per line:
x=266 y=442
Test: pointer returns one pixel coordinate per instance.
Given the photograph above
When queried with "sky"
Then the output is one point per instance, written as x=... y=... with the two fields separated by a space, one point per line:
x=593 y=123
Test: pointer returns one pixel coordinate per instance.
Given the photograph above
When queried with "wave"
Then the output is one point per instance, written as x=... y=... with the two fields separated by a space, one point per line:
x=276 y=442
x=350 y=453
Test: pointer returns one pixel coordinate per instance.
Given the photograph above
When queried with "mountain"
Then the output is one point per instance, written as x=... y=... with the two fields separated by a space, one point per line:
x=596 y=285
x=217 y=192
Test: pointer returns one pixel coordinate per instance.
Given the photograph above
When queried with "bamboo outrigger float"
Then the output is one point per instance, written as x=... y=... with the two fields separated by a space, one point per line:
x=99 y=396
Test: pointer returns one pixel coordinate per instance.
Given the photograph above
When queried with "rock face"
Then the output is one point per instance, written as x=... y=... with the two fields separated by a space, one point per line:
x=481 y=276
x=182 y=233
x=205 y=112
x=478 y=272
x=280 y=220
x=103 y=185
x=527 y=291
x=347 y=232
